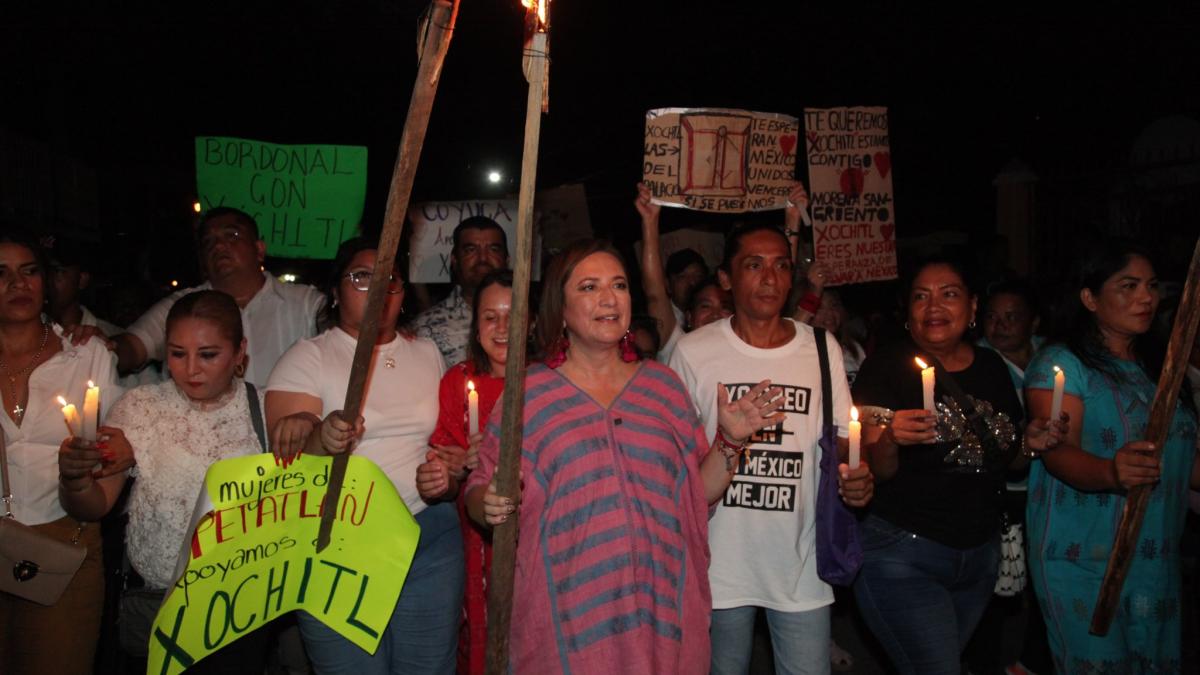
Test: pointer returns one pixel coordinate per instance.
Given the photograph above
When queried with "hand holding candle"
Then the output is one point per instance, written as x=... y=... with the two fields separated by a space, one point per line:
x=927 y=383
x=91 y=412
x=472 y=409
x=70 y=416
x=1060 y=383
x=855 y=438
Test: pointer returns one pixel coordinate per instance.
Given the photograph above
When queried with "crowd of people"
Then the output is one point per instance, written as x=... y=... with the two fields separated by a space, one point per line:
x=670 y=462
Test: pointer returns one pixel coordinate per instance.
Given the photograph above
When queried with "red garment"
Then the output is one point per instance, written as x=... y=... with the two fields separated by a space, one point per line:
x=452 y=430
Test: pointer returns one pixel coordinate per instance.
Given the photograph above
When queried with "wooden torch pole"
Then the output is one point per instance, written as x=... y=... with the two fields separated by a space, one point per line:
x=1162 y=410
x=507 y=477
x=438 y=28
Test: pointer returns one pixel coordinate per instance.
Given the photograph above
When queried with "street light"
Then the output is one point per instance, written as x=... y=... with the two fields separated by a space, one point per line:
x=494 y=176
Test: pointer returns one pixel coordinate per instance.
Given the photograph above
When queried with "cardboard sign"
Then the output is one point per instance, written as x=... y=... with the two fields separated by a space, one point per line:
x=307 y=199
x=252 y=557
x=432 y=240
x=561 y=215
x=724 y=161
x=850 y=193
x=710 y=245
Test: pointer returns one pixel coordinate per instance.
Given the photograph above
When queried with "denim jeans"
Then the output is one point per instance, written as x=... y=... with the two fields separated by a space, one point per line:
x=799 y=640
x=920 y=598
x=423 y=632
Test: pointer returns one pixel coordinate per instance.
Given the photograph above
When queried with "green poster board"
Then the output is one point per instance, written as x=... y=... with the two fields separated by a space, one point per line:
x=307 y=199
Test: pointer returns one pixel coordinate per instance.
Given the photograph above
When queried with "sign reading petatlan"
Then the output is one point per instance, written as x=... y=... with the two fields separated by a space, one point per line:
x=252 y=557
x=850 y=193
x=432 y=240
x=725 y=161
x=307 y=199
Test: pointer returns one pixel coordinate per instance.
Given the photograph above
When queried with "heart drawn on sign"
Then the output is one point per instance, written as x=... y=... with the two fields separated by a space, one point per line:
x=812 y=137
x=883 y=162
x=852 y=181
x=886 y=231
x=787 y=143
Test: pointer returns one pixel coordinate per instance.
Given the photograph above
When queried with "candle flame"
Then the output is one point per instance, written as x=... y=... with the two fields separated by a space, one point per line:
x=853 y=414
x=921 y=363
x=1057 y=369
x=540 y=7
x=91 y=385
x=62 y=401
x=470 y=385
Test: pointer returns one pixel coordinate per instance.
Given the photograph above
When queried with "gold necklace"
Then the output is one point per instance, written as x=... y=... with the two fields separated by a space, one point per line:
x=17 y=410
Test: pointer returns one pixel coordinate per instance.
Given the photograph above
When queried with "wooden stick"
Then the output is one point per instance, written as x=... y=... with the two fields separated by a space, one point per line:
x=507 y=477
x=438 y=29
x=1162 y=411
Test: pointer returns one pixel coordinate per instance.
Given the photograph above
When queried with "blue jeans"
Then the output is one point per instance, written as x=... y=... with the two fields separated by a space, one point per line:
x=799 y=640
x=920 y=598
x=423 y=632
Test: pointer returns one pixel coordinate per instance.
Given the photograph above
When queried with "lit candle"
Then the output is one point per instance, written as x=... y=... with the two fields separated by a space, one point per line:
x=1060 y=382
x=855 y=437
x=927 y=385
x=472 y=409
x=91 y=412
x=70 y=415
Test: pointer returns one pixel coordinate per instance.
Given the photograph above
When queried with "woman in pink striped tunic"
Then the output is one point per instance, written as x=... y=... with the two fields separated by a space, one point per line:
x=612 y=553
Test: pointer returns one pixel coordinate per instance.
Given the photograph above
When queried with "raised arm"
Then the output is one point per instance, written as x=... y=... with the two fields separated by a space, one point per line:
x=654 y=279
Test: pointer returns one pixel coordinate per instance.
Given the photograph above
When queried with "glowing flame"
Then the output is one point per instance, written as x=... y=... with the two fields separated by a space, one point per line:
x=539 y=6
x=1057 y=369
x=853 y=414
x=62 y=401
x=91 y=385
x=470 y=385
x=920 y=363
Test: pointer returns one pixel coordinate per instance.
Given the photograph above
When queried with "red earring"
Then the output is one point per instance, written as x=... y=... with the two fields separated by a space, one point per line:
x=558 y=354
x=629 y=352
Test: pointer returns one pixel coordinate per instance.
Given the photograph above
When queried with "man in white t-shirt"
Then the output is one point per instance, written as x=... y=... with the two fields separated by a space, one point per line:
x=275 y=315
x=762 y=533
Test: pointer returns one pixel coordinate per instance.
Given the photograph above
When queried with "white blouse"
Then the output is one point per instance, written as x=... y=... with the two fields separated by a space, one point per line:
x=33 y=447
x=175 y=441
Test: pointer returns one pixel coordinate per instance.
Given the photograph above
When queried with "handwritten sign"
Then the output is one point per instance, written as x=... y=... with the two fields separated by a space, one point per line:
x=725 y=161
x=252 y=557
x=433 y=229
x=306 y=199
x=850 y=193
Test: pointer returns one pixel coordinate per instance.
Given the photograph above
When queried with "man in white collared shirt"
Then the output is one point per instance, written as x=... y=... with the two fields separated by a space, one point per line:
x=274 y=315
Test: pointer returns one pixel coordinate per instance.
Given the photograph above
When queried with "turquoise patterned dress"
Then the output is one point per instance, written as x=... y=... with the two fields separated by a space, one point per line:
x=1071 y=533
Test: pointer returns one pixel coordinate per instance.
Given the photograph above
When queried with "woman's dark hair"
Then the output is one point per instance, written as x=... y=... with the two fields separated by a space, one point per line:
x=554 y=281
x=694 y=296
x=216 y=307
x=733 y=241
x=1078 y=330
x=475 y=352
x=330 y=315
x=21 y=238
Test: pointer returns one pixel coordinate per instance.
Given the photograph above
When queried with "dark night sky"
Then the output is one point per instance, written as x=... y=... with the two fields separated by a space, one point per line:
x=123 y=86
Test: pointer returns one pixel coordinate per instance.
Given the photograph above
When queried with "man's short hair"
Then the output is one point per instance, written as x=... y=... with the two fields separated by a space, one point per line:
x=239 y=215
x=680 y=260
x=479 y=223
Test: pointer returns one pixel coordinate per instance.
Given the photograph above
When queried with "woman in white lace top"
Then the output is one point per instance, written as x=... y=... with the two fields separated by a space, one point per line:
x=176 y=430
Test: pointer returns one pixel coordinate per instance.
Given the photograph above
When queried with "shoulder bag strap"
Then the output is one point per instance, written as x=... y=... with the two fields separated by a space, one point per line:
x=826 y=379
x=7 y=496
x=256 y=416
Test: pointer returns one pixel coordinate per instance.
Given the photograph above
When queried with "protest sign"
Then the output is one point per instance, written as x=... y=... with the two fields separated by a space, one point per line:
x=710 y=245
x=850 y=193
x=561 y=215
x=307 y=199
x=251 y=557
x=433 y=226
x=724 y=161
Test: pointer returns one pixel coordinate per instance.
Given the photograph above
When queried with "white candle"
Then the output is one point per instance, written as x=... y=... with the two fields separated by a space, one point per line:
x=927 y=382
x=91 y=412
x=855 y=437
x=472 y=409
x=70 y=416
x=1060 y=382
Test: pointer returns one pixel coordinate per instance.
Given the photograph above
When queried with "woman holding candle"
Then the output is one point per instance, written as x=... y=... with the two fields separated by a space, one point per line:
x=1107 y=363
x=36 y=366
x=931 y=539
x=175 y=430
x=612 y=550
x=466 y=396
x=399 y=413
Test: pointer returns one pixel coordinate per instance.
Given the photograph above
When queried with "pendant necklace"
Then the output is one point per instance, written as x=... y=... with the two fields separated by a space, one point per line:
x=17 y=410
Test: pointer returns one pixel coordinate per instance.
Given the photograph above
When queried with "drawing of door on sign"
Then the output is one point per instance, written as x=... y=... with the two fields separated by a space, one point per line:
x=713 y=156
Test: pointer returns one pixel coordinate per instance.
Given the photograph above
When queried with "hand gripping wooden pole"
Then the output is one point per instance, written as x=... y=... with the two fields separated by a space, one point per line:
x=507 y=477
x=1162 y=410
x=437 y=30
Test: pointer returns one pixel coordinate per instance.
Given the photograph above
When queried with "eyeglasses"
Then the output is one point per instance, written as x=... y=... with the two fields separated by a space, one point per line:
x=361 y=281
